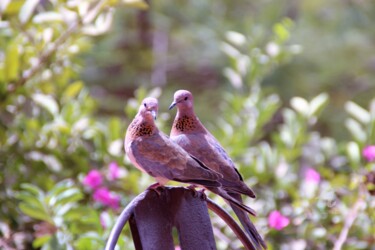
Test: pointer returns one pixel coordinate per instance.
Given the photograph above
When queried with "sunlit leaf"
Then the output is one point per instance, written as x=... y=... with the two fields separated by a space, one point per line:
x=61 y=210
x=140 y=4
x=354 y=153
x=61 y=186
x=300 y=105
x=34 y=212
x=11 y=62
x=229 y=50
x=69 y=195
x=281 y=32
x=10 y=7
x=47 y=17
x=318 y=103
x=47 y=102
x=32 y=189
x=30 y=199
x=40 y=241
x=73 y=89
x=357 y=112
x=27 y=10
x=355 y=129
x=235 y=38
x=234 y=78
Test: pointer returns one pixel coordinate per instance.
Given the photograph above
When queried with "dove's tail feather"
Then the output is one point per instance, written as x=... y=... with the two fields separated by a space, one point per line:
x=250 y=229
x=231 y=200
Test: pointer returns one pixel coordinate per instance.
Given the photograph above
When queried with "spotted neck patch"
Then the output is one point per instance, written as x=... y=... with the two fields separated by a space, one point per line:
x=141 y=129
x=186 y=124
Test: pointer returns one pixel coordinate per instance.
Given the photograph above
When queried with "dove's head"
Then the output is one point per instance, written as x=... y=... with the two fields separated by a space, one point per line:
x=183 y=99
x=149 y=108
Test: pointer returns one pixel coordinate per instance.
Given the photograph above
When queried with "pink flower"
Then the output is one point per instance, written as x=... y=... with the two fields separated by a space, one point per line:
x=93 y=179
x=311 y=175
x=277 y=221
x=114 y=171
x=369 y=153
x=103 y=196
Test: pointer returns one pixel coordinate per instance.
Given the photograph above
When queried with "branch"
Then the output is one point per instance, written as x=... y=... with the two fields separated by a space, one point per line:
x=350 y=218
x=52 y=48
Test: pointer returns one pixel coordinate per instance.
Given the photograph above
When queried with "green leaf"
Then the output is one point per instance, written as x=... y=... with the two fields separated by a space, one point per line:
x=281 y=32
x=359 y=113
x=354 y=153
x=356 y=130
x=35 y=212
x=27 y=10
x=11 y=62
x=60 y=211
x=60 y=187
x=73 y=89
x=70 y=195
x=32 y=189
x=40 y=241
x=47 y=102
x=30 y=200
x=10 y=7
x=300 y=105
x=236 y=38
x=48 y=16
x=318 y=103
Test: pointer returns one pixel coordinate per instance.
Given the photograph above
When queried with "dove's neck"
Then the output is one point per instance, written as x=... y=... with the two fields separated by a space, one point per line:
x=187 y=122
x=142 y=127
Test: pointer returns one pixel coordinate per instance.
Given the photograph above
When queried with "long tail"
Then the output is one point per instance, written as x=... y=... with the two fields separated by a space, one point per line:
x=251 y=231
x=232 y=201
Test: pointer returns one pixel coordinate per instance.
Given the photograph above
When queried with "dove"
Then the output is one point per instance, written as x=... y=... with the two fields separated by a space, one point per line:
x=188 y=132
x=154 y=153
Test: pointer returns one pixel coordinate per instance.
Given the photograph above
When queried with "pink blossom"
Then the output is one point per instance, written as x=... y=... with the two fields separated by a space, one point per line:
x=103 y=196
x=311 y=175
x=369 y=153
x=114 y=171
x=93 y=179
x=277 y=221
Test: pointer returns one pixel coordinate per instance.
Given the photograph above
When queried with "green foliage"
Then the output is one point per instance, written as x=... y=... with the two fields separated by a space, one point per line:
x=55 y=128
x=274 y=154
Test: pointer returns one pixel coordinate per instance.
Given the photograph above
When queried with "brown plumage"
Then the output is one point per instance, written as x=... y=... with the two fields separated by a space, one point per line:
x=154 y=153
x=190 y=134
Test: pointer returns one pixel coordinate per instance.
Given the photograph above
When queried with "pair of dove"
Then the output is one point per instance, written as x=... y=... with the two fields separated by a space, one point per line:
x=191 y=155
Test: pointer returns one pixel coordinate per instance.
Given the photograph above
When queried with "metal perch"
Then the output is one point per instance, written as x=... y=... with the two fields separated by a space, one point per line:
x=152 y=217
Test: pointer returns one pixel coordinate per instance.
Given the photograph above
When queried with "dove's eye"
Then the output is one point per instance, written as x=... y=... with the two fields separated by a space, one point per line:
x=185 y=98
x=144 y=104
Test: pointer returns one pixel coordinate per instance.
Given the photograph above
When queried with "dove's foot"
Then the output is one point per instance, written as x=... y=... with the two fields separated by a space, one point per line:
x=156 y=187
x=192 y=188
x=202 y=193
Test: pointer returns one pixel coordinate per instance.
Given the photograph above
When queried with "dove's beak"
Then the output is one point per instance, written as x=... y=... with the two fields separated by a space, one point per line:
x=153 y=113
x=172 y=105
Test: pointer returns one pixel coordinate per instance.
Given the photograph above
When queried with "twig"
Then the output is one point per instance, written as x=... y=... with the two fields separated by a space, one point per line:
x=350 y=218
x=49 y=50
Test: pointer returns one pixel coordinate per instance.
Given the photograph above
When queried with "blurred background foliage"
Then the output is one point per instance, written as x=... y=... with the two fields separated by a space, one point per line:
x=286 y=86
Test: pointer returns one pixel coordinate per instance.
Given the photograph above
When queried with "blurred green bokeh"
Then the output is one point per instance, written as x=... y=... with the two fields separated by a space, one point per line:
x=285 y=86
